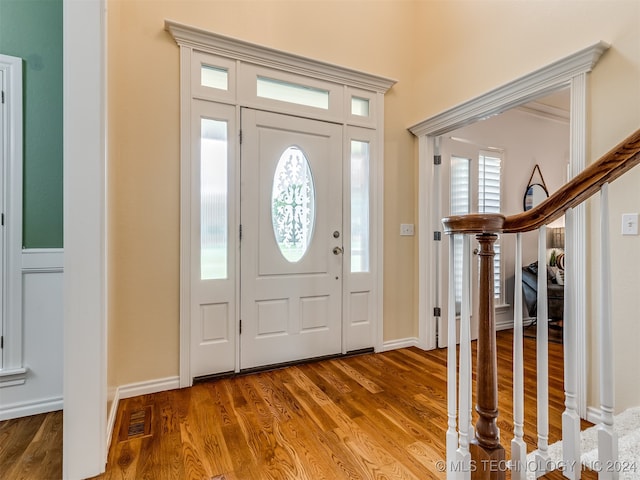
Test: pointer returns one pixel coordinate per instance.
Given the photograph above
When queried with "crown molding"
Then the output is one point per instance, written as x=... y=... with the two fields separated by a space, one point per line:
x=547 y=112
x=224 y=46
x=524 y=89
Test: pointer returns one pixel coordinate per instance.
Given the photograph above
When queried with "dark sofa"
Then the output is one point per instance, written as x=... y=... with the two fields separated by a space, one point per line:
x=555 y=293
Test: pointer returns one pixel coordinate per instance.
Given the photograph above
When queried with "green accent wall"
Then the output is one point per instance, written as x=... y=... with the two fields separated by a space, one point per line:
x=32 y=30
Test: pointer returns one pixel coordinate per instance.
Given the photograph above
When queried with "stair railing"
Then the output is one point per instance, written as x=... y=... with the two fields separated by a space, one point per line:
x=477 y=452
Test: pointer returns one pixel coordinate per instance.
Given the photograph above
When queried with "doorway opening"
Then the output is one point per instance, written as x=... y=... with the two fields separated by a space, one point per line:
x=276 y=265
x=568 y=73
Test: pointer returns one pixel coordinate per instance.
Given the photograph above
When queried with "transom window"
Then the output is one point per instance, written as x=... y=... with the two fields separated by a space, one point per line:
x=360 y=106
x=214 y=77
x=292 y=92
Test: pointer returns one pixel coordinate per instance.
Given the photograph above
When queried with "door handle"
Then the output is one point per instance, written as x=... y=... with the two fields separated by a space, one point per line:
x=337 y=250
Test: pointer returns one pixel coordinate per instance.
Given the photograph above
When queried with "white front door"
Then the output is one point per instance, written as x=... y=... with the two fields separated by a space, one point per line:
x=292 y=239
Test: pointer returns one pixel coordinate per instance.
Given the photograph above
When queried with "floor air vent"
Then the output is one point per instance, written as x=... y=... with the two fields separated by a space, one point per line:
x=136 y=424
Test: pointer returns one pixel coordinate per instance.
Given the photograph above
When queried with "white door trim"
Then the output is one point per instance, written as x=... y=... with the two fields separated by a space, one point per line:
x=243 y=61
x=85 y=272
x=12 y=157
x=567 y=72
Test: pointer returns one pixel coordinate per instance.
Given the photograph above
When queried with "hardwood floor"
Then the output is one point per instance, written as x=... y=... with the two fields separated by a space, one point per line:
x=375 y=416
x=379 y=416
x=31 y=447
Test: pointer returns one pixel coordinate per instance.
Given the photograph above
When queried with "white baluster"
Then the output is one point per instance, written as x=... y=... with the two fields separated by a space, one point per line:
x=452 y=433
x=518 y=446
x=607 y=437
x=467 y=294
x=542 y=354
x=466 y=431
x=570 y=416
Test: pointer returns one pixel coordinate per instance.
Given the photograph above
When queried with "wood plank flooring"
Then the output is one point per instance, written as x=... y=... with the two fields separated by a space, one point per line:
x=31 y=447
x=375 y=416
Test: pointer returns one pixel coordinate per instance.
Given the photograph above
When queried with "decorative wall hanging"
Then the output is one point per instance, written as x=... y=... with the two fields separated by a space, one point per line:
x=535 y=193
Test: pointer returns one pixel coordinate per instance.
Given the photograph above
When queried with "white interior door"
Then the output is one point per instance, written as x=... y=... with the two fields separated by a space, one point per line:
x=291 y=247
x=459 y=195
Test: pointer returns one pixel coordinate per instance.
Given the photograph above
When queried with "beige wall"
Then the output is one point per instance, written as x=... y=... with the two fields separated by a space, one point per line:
x=472 y=47
x=441 y=52
x=144 y=153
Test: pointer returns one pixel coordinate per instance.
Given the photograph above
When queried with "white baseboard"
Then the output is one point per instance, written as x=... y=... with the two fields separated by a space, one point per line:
x=504 y=325
x=111 y=419
x=594 y=415
x=35 y=407
x=400 y=343
x=150 y=386
x=134 y=390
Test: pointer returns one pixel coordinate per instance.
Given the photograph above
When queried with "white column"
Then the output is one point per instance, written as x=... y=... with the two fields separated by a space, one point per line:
x=466 y=432
x=85 y=271
x=542 y=354
x=518 y=446
x=578 y=155
x=570 y=416
x=607 y=438
x=452 y=433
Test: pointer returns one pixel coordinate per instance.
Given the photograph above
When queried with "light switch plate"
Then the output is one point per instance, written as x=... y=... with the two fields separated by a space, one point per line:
x=406 y=229
x=629 y=224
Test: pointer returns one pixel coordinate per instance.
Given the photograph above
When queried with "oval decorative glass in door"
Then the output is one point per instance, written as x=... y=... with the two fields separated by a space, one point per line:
x=293 y=204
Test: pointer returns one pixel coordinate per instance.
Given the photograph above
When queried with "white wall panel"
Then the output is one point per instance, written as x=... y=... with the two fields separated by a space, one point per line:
x=42 y=315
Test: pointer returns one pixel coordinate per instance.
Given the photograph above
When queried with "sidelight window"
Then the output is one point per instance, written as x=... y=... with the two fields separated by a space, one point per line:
x=213 y=199
x=359 y=206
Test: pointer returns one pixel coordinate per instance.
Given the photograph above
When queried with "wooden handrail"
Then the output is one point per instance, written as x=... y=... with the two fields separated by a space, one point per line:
x=610 y=166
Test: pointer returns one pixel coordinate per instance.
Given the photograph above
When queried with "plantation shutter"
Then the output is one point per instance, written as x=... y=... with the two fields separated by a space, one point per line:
x=460 y=204
x=489 y=165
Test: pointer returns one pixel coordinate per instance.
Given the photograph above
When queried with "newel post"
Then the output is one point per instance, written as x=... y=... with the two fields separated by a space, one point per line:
x=486 y=452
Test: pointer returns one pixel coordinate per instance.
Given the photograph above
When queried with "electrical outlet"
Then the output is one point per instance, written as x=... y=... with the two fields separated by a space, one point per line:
x=406 y=229
x=629 y=224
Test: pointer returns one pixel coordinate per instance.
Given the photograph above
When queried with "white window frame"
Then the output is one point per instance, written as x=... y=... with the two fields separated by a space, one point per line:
x=12 y=155
x=246 y=61
x=201 y=59
x=359 y=287
x=247 y=91
x=221 y=289
x=360 y=120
